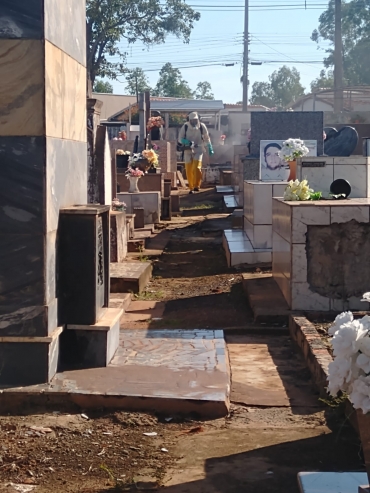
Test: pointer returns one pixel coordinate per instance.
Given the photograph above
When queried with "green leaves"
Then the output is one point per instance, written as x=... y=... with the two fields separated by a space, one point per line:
x=284 y=87
x=148 y=21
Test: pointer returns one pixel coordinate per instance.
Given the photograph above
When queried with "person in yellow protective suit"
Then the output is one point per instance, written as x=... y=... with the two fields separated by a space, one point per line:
x=193 y=137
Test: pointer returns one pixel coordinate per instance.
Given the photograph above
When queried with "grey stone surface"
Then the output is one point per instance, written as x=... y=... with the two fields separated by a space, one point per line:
x=22 y=161
x=340 y=143
x=65 y=27
x=21 y=19
x=337 y=266
x=251 y=169
x=66 y=177
x=284 y=125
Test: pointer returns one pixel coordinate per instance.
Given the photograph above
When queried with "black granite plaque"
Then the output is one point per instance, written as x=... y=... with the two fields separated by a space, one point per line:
x=283 y=125
x=313 y=164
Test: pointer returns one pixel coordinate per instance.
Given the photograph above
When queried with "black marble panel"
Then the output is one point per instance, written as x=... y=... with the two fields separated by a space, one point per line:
x=24 y=364
x=282 y=125
x=81 y=349
x=21 y=271
x=22 y=177
x=21 y=19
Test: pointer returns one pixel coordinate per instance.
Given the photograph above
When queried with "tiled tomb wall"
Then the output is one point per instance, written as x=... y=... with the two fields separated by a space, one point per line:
x=258 y=211
x=355 y=169
x=320 y=252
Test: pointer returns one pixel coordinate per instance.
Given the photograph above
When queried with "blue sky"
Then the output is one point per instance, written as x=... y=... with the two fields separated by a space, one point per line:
x=279 y=31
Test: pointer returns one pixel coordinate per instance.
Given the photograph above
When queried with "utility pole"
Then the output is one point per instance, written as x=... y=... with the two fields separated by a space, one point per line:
x=338 y=59
x=246 y=56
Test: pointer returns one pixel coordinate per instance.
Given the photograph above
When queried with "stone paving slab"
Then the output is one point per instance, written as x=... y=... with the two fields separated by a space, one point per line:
x=171 y=372
x=266 y=371
x=130 y=276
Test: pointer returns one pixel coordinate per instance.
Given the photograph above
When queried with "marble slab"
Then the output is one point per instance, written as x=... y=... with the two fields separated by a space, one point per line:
x=66 y=177
x=22 y=164
x=150 y=201
x=331 y=482
x=22 y=88
x=65 y=27
x=65 y=92
x=20 y=19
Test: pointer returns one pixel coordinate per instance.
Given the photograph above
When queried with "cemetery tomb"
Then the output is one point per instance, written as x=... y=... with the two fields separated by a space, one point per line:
x=320 y=172
x=320 y=253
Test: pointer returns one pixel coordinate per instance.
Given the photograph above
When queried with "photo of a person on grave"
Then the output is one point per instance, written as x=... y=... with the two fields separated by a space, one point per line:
x=273 y=167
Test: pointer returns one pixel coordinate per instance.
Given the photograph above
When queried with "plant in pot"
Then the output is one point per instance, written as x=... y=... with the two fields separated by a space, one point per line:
x=349 y=372
x=122 y=158
x=291 y=150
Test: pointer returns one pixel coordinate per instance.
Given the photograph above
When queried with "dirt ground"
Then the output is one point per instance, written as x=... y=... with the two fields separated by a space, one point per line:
x=256 y=448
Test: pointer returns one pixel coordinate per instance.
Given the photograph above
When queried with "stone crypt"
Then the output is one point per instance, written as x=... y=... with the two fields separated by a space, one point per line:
x=43 y=167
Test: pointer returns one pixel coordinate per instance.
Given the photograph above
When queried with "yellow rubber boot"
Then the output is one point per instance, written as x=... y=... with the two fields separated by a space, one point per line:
x=197 y=173
x=190 y=174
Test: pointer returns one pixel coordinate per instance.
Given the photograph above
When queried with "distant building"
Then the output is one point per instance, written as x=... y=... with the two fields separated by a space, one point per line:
x=355 y=99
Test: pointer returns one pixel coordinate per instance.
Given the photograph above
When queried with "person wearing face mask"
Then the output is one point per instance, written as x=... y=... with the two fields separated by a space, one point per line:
x=193 y=138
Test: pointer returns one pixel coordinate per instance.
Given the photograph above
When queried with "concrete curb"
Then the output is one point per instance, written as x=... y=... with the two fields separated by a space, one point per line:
x=314 y=350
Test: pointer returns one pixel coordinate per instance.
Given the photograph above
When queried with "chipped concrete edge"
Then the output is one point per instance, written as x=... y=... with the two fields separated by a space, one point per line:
x=315 y=353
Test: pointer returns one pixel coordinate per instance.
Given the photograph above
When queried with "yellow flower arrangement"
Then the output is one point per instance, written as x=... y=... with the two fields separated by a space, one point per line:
x=151 y=156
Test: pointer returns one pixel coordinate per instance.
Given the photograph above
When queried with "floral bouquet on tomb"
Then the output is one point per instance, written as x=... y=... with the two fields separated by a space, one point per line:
x=121 y=152
x=134 y=173
x=118 y=206
x=293 y=149
x=155 y=122
x=350 y=370
x=300 y=190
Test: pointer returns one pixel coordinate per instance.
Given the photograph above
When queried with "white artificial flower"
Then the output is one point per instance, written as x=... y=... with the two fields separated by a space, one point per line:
x=345 y=338
x=366 y=322
x=363 y=345
x=363 y=362
x=339 y=370
x=360 y=394
x=340 y=320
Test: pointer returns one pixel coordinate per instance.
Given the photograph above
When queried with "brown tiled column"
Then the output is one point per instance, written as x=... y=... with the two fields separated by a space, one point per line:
x=43 y=167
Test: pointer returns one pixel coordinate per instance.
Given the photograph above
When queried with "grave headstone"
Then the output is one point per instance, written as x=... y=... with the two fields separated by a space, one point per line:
x=305 y=125
x=340 y=143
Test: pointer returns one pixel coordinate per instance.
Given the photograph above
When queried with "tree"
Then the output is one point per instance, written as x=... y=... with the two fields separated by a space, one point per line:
x=355 y=39
x=262 y=94
x=137 y=81
x=171 y=83
x=324 y=81
x=149 y=21
x=204 y=91
x=101 y=86
x=284 y=86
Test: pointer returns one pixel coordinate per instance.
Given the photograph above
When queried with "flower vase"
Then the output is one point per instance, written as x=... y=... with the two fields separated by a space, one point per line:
x=292 y=170
x=133 y=184
x=363 y=423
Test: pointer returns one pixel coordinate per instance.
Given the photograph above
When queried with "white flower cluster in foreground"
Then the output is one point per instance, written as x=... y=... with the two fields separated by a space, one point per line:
x=297 y=190
x=293 y=149
x=350 y=370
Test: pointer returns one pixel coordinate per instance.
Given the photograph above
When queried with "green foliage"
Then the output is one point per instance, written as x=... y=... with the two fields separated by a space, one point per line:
x=283 y=87
x=204 y=91
x=137 y=81
x=355 y=38
x=149 y=21
x=104 y=87
x=324 y=81
x=316 y=196
x=171 y=83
